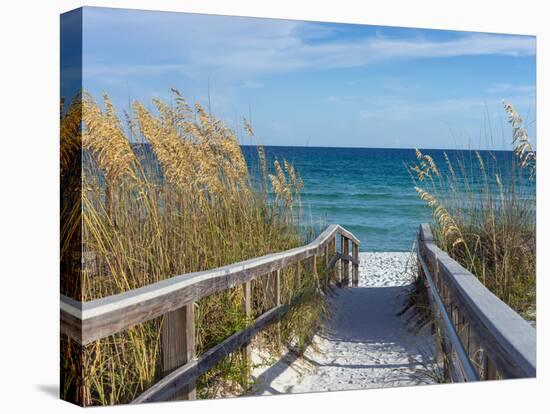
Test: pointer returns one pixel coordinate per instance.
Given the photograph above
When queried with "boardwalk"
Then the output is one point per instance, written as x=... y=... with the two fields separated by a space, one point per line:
x=367 y=345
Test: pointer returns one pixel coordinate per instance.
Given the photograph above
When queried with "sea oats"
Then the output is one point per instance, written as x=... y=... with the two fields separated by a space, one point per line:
x=103 y=137
x=520 y=139
x=182 y=202
x=70 y=133
x=484 y=214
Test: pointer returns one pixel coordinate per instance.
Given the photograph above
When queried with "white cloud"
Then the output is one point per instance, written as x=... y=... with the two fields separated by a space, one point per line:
x=285 y=52
x=198 y=44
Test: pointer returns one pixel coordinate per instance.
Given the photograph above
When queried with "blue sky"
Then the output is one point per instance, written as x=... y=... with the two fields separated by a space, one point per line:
x=317 y=84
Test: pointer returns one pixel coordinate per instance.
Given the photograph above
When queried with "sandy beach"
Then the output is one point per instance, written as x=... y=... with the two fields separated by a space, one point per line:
x=365 y=345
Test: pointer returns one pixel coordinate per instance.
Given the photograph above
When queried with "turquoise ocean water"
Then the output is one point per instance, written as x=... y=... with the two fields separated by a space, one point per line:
x=368 y=191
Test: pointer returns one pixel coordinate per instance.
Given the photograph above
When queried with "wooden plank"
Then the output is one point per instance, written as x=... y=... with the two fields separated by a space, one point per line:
x=508 y=339
x=178 y=345
x=176 y=380
x=70 y=324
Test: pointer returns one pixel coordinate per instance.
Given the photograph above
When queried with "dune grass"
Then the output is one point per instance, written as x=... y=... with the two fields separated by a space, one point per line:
x=484 y=215
x=182 y=202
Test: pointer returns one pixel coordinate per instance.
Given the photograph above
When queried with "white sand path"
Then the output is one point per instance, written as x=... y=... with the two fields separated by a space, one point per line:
x=365 y=346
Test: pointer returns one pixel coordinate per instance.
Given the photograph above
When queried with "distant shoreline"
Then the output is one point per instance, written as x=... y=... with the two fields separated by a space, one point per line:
x=378 y=148
x=364 y=148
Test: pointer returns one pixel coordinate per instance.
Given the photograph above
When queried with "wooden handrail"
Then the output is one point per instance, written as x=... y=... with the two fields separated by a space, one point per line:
x=507 y=339
x=165 y=388
x=86 y=322
x=468 y=371
x=169 y=386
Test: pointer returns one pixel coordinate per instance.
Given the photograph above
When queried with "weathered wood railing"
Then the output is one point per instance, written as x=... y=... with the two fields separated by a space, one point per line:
x=86 y=322
x=481 y=336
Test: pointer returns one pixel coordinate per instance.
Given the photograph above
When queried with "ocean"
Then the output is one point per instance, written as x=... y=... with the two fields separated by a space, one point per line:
x=369 y=191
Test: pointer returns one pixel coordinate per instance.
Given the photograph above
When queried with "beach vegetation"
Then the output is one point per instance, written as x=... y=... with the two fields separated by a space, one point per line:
x=483 y=208
x=164 y=192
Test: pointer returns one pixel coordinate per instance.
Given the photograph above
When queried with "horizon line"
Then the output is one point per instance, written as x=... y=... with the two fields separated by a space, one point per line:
x=388 y=148
x=385 y=148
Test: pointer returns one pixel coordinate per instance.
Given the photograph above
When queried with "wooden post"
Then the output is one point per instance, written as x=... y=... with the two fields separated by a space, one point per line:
x=277 y=275
x=334 y=270
x=335 y=249
x=178 y=345
x=355 y=268
x=341 y=263
x=277 y=300
x=314 y=267
x=345 y=268
x=247 y=302
x=247 y=310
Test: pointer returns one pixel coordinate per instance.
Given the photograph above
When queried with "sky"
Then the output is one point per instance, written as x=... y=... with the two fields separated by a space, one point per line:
x=312 y=83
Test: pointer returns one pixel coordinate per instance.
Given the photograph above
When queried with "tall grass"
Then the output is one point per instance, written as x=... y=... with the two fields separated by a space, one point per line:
x=484 y=215
x=137 y=214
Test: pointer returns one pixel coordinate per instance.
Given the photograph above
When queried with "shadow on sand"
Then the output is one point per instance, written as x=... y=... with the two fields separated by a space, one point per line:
x=365 y=320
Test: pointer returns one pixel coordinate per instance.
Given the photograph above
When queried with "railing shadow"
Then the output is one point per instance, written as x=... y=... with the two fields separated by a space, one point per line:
x=263 y=381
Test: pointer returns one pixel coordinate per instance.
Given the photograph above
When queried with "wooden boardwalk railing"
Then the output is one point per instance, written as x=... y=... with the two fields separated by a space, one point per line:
x=86 y=322
x=482 y=337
